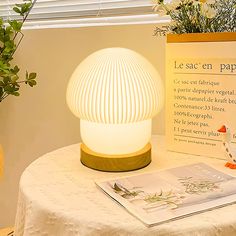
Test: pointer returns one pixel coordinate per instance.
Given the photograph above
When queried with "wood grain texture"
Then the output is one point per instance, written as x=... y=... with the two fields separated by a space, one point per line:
x=115 y=163
x=201 y=37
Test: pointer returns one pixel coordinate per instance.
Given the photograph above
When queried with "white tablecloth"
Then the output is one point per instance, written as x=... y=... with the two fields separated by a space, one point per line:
x=58 y=197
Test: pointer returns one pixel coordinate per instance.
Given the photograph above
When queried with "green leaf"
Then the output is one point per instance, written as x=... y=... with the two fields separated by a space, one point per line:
x=16 y=25
x=16 y=69
x=32 y=83
x=8 y=89
x=16 y=9
x=6 y=80
x=32 y=76
x=16 y=93
x=14 y=78
x=25 y=8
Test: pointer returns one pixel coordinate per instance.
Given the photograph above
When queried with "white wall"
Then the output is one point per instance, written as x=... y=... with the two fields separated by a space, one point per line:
x=39 y=121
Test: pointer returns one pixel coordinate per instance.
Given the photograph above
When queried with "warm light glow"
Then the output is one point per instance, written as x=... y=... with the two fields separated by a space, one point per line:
x=115 y=92
x=116 y=139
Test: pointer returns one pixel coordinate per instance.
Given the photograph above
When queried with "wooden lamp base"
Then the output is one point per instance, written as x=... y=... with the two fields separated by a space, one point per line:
x=115 y=163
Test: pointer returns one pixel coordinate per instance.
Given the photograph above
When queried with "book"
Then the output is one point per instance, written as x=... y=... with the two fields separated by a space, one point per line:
x=169 y=194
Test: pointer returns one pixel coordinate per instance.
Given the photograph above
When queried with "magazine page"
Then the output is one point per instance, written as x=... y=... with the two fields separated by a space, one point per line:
x=169 y=194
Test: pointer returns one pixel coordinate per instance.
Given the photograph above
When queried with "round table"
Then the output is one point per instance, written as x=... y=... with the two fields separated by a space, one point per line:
x=58 y=196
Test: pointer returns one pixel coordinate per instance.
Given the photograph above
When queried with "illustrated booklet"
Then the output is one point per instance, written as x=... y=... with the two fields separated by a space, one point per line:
x=169 y=194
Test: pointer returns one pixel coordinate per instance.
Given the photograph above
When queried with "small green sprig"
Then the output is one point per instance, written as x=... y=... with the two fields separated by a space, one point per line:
x=9 y=31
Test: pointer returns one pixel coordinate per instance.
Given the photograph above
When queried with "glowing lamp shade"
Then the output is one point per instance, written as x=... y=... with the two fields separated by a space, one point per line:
x=115 y=92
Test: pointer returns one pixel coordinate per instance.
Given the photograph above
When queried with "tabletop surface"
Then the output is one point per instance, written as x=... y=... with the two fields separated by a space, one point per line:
x=58 y=196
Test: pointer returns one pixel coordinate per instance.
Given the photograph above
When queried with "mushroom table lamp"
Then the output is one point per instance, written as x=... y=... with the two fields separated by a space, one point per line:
x=115 y=92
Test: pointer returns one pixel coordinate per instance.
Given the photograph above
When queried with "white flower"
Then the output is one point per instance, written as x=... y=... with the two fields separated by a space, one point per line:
x=208 y=11
x=160 y=7
x=196 y=2
x=171 y=6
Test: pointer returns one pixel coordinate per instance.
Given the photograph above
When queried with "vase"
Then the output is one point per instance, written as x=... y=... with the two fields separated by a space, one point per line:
x=200 y=91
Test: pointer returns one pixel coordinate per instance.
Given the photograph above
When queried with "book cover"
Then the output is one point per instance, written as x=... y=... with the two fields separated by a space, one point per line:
x=165 y=195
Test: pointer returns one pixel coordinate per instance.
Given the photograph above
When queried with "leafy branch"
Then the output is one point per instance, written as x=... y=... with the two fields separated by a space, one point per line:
x=9 y=31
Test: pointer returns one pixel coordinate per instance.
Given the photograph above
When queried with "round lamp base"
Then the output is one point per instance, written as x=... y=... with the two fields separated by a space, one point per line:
x=116 y=163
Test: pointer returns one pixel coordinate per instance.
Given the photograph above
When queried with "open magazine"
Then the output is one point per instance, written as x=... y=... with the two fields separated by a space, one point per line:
x=169 y=194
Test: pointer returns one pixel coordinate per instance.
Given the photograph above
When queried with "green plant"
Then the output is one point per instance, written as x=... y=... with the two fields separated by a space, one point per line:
x=10 y=38
x=197 y=16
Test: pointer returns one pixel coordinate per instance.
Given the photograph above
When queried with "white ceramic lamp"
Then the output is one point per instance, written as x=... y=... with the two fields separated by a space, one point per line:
x=115 y=92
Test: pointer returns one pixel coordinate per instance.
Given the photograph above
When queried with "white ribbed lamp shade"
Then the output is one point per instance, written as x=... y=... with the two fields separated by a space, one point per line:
x=115 y=92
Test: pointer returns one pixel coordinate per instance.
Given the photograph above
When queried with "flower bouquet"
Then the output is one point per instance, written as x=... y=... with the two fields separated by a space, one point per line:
x=197 y=16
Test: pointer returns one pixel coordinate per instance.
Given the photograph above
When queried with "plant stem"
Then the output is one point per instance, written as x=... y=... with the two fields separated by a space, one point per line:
x=23 y=21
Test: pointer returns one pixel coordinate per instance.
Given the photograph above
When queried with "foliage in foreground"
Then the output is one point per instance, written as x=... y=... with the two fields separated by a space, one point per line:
x=10 y=38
